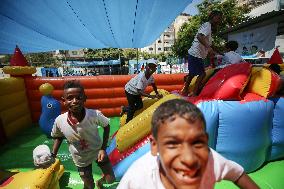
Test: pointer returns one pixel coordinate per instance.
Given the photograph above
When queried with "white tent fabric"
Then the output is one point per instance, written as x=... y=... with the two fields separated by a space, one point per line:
x=45 y=25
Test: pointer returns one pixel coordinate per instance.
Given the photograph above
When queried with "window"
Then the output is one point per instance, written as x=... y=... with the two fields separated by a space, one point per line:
x=159 y=49
x=151 y=48
x=167 y=49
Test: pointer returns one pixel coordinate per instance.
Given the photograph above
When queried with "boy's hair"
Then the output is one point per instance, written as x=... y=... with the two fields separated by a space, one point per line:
x=73 y=84
x=232 y=45
x=254 y=46
x=175 y=107
x=276 y=68
x=215 y=13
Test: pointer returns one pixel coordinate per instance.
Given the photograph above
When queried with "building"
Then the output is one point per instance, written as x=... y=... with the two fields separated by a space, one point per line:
x=264 y=30
x=69 y=54
x=166 y=40
x=251 y=3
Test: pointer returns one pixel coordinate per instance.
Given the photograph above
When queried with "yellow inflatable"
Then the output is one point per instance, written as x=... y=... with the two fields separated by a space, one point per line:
x=263 y=82
x=147 y=102
x=46 y=89
x=39 y=178
x=19 y=70
x=138 y=127
x=208 y=73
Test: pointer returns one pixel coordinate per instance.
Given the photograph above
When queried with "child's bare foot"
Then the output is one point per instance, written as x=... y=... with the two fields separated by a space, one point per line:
x=184 y=92
x=191 y=94
x=107 y=179
x=122 y=111
x=100 y=182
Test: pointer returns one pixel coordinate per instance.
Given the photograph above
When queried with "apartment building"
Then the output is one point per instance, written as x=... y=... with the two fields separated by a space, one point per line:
x=167 y=38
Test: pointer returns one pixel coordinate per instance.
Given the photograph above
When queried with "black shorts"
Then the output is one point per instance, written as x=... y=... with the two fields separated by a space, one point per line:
x=87 y=172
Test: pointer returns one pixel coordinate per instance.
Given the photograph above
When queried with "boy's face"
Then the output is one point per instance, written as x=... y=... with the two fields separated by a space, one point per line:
x=151 y=68
x=217 y=19
x=74 y=99
x=183 y=153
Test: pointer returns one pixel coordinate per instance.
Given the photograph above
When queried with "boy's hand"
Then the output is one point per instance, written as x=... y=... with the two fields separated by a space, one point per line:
x=101 y=155
x=159 y=96
x=152 y=96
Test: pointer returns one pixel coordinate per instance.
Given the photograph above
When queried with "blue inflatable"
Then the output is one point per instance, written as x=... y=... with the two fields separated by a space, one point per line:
x=277 y=146
x=50 y=109
x=120 y=168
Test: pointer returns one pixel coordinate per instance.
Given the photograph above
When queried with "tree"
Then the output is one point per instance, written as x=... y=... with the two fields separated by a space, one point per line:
x=44 y=58
x=232 y=15
x=5 y=60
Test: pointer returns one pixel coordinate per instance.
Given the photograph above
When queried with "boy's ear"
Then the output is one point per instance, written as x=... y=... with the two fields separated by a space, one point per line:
x=63 y=100
x=154 y=146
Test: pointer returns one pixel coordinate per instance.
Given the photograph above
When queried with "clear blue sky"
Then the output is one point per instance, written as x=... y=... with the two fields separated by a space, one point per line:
x=191 y=8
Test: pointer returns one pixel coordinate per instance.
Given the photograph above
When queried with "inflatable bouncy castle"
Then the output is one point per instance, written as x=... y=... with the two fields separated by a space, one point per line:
x=243 y=115
x=243 y=123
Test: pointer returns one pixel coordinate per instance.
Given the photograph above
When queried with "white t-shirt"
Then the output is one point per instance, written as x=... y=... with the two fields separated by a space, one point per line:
x=232 y=57
x=138 y=82
x=228 y=58
x=85 y=143
x=197 y=49
x=144 y=173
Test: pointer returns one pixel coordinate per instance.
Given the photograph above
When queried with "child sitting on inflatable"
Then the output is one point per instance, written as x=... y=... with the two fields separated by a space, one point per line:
x=79 y=127
x=180 y=156
x=230 y=56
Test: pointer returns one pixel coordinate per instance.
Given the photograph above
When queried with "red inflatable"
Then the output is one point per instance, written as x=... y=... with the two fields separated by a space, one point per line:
x=228 y=83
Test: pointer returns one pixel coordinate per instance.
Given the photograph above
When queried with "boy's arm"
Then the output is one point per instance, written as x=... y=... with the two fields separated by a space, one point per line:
x=142 y=93
x=56 y=145
x=245 y=182
x=156 y=90
x=105 y=137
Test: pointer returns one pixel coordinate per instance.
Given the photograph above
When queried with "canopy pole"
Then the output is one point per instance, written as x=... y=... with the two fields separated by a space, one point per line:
x=137 y=66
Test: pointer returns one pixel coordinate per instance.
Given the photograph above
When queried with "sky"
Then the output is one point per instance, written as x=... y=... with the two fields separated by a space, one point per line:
x=191 y=8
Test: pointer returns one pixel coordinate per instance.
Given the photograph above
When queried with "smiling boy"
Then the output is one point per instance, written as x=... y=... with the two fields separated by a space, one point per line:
x=180 y=157
x=79 y=127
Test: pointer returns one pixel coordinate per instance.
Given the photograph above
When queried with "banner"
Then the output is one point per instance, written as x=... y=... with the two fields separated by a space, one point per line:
x=253 y=40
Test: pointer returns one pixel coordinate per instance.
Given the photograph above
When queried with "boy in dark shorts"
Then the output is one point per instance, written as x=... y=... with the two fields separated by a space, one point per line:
x=79 y=127
x=198 y=51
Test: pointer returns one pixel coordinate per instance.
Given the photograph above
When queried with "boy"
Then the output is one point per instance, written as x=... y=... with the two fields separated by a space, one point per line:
x=180 y=157
x=230 y=56
x=135 y=88
x=79 y=127
x=198 y=51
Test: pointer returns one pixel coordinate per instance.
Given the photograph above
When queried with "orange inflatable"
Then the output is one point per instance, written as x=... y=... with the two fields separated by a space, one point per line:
x=105 y=93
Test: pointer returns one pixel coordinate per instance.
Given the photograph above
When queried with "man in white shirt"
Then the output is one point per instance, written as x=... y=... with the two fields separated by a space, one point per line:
x=180 y=157
x=135 y=88
x=198 y=51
